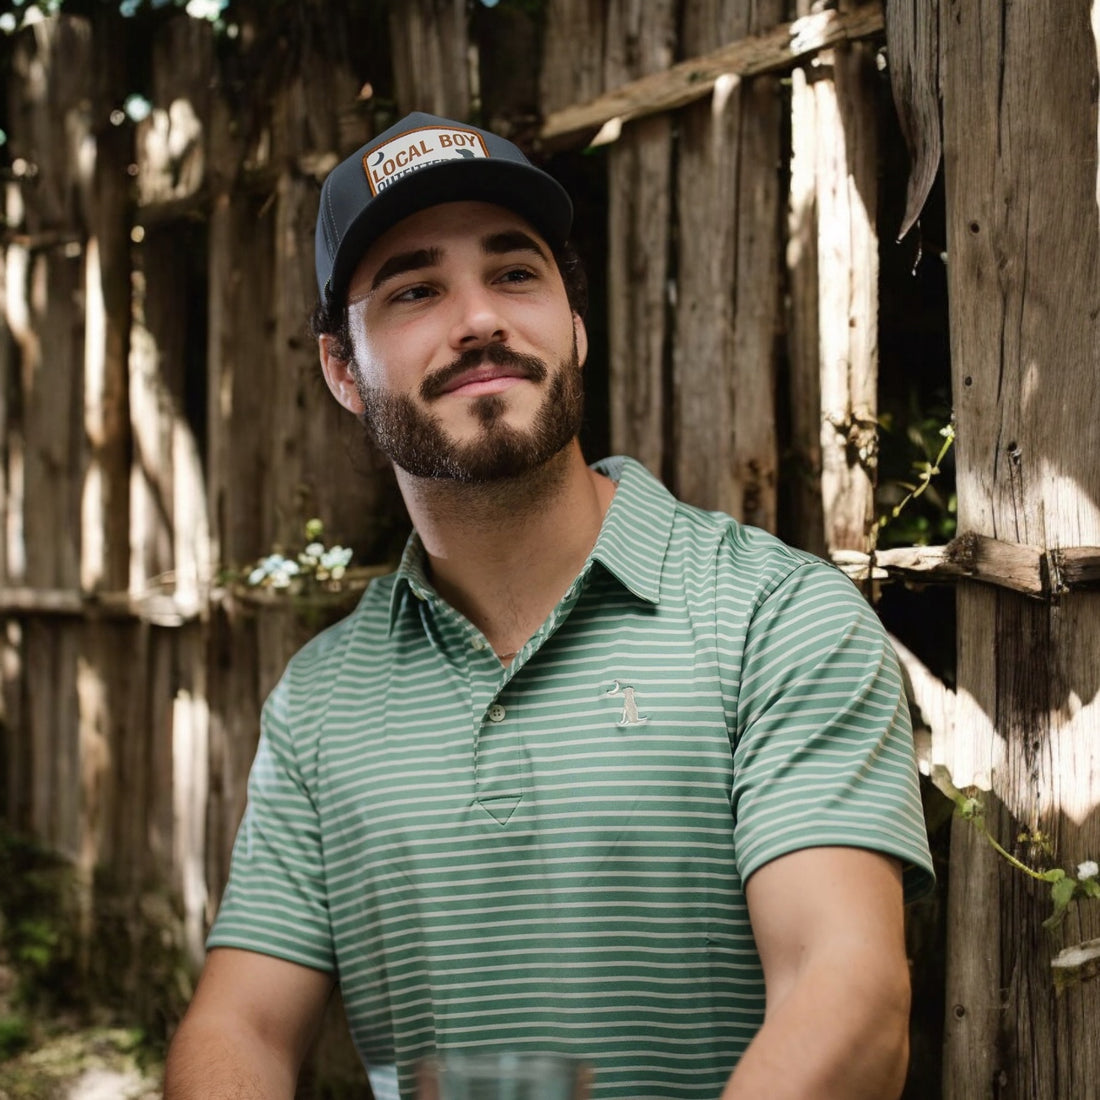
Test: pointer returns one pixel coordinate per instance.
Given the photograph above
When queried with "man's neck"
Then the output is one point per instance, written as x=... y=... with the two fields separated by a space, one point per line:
x=503 y=553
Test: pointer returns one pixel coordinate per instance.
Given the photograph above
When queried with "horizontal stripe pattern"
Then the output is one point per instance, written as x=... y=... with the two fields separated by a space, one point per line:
x=551 y=857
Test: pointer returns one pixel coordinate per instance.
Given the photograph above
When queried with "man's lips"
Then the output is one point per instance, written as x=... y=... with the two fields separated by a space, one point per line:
x=483 y=370
x=489 y=379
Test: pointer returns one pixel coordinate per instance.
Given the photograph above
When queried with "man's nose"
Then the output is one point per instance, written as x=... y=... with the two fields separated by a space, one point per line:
x=478 y=320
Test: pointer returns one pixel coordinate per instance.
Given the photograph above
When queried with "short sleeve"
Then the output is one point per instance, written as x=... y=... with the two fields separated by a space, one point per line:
x=823 y=748
x=275 y=902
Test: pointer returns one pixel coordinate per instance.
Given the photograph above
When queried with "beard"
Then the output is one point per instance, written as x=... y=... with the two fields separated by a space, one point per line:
x=412 y=438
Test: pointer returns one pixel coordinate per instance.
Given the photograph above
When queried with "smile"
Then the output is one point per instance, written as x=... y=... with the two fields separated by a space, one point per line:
x=484 y=380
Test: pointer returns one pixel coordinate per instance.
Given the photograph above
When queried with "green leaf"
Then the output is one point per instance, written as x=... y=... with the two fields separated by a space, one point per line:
x=1061 y=893
x=970 y=808
x=1055 y=874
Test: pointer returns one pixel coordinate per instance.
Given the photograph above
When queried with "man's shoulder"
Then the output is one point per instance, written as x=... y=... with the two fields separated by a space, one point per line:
x=362 y=631
x=745 y=550
x=700 y=540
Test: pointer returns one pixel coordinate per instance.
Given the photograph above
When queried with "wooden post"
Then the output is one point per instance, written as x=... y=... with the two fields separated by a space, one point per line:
x=639 y=223
x=832 y=256
x=847 y=246
x=803 y=476
x=171 y=535
x=432 y=59
x=56 y=435
x=727 y=267
x=572 y=53
x=1024 y=277
x=585 y=52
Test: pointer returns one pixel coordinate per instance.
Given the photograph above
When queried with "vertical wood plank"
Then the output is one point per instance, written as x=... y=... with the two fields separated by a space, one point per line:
x=724 y=359
x=973 y=1003
x=171 y=143
x=1024 y=281
x=757 y=322
x=240 y=365
x=639 y=40
x=431 y=62
x=108 y=738
x=847 y=252
x=803 y=474
x=638 y=290
x=106 y=212
x=46 y=287
x=572 y=52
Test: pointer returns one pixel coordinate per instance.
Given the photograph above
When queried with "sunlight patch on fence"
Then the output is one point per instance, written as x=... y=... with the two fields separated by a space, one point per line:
x=190 y=782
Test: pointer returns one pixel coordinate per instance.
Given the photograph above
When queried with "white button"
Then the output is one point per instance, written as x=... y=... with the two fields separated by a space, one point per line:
x=496 y=713
x=477 y=644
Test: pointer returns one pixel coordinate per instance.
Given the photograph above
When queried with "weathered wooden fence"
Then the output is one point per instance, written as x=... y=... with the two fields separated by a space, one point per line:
x=162 y=419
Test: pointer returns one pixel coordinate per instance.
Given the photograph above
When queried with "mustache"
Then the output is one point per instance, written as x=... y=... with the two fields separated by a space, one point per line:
x=527 y=366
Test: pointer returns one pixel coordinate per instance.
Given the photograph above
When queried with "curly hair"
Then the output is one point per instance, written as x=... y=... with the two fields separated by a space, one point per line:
x=326 y=320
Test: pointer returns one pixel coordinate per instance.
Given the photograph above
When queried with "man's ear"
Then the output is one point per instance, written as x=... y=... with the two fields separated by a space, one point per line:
x=339 y=374
x=580 y=334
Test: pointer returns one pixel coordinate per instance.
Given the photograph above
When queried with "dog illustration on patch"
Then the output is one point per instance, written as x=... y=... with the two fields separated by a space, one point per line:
x=630 y=715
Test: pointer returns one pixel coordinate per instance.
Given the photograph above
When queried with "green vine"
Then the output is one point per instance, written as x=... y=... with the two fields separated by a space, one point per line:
x=926 y=472
x=1065 y=888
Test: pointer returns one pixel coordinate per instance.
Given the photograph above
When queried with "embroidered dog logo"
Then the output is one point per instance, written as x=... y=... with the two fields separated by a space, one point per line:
x=630 y=715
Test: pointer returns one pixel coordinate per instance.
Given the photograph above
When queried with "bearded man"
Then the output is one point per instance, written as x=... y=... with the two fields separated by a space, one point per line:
x=594 y=773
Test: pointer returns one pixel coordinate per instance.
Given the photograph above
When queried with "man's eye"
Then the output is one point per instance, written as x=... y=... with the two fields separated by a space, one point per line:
x=517 y=275
x=412 y=294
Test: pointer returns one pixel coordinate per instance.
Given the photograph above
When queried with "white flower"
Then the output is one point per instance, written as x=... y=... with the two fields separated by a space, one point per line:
x=1089 y=869
x=336 y=557
x=281 y=577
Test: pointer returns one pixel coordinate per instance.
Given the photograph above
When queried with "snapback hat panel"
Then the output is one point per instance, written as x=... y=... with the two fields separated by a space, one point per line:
x=423 y=161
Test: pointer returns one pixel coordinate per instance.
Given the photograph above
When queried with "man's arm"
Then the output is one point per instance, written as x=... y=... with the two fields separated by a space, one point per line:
x=247 y=1029
x=829 y=927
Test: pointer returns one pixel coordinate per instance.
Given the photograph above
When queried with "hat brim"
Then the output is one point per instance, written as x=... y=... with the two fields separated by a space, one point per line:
x=522 y=188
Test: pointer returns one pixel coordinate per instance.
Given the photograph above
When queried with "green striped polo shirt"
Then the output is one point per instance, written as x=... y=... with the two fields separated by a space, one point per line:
x=551 y=856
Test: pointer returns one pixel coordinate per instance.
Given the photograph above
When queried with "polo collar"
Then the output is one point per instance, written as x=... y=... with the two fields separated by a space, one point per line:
x=636 y=530
x=631 y=545
x=411 y=578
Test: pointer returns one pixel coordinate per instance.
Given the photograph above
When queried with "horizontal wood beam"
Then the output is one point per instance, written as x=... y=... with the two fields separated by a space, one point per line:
x=1078 y=963
x=1021 y=568
x=687 y=81
x=161 y=608
x=1027 y=569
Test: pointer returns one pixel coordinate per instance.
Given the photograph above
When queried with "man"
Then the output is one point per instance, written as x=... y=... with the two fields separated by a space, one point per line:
x=594 y=772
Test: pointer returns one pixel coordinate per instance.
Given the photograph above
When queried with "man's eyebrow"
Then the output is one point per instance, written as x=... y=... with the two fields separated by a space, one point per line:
x=404 y=262
x=511 y=240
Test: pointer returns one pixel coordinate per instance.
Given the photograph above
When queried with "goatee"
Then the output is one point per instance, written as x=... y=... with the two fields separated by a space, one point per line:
x=415 y=440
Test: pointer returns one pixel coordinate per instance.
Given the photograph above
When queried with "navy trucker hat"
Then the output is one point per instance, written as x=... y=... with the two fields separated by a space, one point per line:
x=422 y=161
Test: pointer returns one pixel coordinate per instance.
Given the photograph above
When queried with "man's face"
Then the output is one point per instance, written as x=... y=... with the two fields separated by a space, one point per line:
x=467 y=357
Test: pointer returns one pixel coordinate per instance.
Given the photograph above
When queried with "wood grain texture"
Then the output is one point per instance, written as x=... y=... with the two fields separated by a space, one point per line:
x=639 y=212
x=742 y=54
x=847 y=296
x=573 y=52
x=1024 y=286
x=172 y=141
x=804 y=462
x=639 y=39
x=726 y=272
x=431 y=62
x=912 y=43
